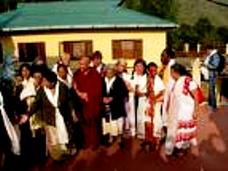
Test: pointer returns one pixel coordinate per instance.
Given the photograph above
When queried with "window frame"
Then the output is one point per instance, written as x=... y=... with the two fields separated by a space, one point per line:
x=23 y=47
x=88 y=48
x=137 y=49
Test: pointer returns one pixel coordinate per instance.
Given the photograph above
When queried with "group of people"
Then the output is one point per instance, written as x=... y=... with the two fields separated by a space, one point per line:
x=107 y=103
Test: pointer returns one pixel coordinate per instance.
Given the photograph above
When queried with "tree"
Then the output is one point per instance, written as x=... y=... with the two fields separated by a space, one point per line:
x=223 y=34
x=206 y=32
x=6 y=5
x=161 y=8
x=184 y=34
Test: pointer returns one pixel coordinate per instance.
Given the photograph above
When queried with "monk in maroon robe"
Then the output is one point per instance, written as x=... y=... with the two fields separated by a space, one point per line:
x=88 y=85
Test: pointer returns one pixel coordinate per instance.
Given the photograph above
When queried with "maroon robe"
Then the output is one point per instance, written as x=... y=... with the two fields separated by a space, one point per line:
x=90 y=82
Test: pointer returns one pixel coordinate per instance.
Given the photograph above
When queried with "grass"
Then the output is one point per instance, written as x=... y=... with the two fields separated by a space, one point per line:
x=189 y=11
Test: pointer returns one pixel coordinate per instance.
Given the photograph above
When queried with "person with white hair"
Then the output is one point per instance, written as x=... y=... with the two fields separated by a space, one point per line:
x=121 y=69
x=114 y=95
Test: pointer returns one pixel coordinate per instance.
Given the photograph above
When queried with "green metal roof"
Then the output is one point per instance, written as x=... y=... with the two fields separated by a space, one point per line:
x=95 y=14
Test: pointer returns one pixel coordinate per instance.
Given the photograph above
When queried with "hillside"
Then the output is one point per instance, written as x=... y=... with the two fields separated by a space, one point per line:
x=189 y=11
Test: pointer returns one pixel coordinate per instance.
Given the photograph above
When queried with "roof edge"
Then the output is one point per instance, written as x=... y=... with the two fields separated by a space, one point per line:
x=106 y=26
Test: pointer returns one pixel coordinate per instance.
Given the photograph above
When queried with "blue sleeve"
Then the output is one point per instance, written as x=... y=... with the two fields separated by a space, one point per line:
x=214 y=61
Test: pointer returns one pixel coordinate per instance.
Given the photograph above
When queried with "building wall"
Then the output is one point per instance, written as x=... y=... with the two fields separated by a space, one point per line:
x=153 y=42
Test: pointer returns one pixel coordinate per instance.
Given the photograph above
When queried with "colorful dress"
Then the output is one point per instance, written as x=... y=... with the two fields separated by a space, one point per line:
x=181 y=124
x=154 y=127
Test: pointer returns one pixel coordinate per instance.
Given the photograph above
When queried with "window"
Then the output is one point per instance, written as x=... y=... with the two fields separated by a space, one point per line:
x=1 y=54
x=78 y=49
x=128 y=49
x=28 y=52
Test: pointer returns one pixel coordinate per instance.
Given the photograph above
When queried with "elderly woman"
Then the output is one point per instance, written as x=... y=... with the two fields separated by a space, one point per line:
x=121 y=67
x=114 y=95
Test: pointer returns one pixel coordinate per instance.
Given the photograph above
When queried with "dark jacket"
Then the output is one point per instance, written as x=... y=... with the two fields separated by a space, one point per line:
x=46 y=110
x=119 y=93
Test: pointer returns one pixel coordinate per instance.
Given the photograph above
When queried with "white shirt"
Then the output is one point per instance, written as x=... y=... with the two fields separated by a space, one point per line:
x=109 y=83
x=158 y=85
x=67 y=82
x=28 y=89
x=141 y=82
x=99 y=68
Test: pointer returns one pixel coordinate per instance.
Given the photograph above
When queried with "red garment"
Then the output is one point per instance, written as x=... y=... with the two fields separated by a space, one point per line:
x=90 y=82
x=149 y=125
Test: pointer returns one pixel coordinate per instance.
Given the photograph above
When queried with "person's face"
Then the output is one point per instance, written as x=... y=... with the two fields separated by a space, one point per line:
x=66 y=59
x=25 y=73
x=84 y=64
x=165 y=59
x=97 y=62
x=120 y=68
x=48 y=84
x=38 y=78
x=139 y=69
x=152 y=71
x=174 y=74
x=62 y=73
x=110 y=73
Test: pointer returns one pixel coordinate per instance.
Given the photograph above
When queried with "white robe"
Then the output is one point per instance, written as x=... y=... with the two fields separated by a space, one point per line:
x=180 y=110
x=10 y=129
x=157 y=119
x=140 y=81
x=61 y=136
x=169 y=83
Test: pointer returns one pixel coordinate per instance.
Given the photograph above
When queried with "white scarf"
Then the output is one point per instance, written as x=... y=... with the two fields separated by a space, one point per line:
x=10 y=129
x=109 y=83
x=62 y=134
x=207 y=60
x=67 y=82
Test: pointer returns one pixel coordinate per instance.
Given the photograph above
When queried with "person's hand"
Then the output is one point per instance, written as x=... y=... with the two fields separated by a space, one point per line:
x=23 y=119
x=139 y=94
x=74 y=116
x=84 y=96
x=107 y=100
x=129 y=87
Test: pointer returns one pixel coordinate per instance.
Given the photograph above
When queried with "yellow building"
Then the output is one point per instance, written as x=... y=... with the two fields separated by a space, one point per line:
x=46 y=30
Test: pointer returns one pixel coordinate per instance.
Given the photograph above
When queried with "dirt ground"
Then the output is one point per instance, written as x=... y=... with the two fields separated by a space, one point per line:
x=213 y=152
